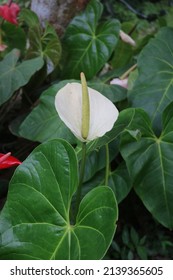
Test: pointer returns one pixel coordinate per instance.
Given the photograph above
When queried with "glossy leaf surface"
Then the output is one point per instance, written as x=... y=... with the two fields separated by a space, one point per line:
x=150 y=163
x=89 y=43
x=153 y=88
x=35 y=222
x=14 y=75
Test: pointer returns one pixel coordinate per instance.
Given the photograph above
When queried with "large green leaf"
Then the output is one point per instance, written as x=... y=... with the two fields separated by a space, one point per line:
x=150 y=163
x=153 y=88
x=43 y=123
x=35 y=221
x=14 y=75
x=89 y=44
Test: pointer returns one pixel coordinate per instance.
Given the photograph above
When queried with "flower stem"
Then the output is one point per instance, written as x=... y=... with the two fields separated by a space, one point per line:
x=125 y=75
x=81 y=176
x=107 y=165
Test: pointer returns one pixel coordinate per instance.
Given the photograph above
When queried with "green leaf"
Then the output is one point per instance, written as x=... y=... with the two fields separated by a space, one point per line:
x=13 y=36
x=112 y=92
x=123 y=122
x=14 y=75
x=29 y=18
x=96 y=160
x=153 y=88
x=150 y=164
x=43 y=123
x=46 y=45
x=136 y=134
x=35 y=222
x=89 y=44
x=120 y=182
x=134 y=236
x=42 y=43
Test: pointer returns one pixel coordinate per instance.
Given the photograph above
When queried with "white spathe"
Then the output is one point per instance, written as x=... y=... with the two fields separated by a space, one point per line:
x=120 y=82
x=103 y=113
x=127 y=39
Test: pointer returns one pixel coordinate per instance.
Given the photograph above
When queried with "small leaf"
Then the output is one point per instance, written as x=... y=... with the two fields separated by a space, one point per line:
x=14 y=75
x=136 y=134
x=120 y=182
x=134 y=236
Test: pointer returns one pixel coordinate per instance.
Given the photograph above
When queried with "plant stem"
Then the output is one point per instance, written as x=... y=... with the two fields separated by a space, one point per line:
x=125 y=75
x=81 y=176
x=107 y=165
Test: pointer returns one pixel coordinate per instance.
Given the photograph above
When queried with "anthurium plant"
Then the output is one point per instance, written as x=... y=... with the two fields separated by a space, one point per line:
x=93 y=111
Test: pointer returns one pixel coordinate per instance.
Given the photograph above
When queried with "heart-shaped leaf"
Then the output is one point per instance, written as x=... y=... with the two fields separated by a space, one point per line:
x=89 y=43
x=14 y=75
x=153 y=88
x=150 y=163
x=35 y=221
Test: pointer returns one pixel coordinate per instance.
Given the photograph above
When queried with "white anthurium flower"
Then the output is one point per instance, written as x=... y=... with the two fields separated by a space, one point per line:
x=120 y=82
x=127 y=39
x=102 y=112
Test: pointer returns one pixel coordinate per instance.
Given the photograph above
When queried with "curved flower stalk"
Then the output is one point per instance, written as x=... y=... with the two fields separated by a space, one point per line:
x=102 y=112
x=7 y=161
x=10 y=12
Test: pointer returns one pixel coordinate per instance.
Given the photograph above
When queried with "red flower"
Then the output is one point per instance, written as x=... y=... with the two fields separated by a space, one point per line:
x=6 y=161
x=10 y=13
